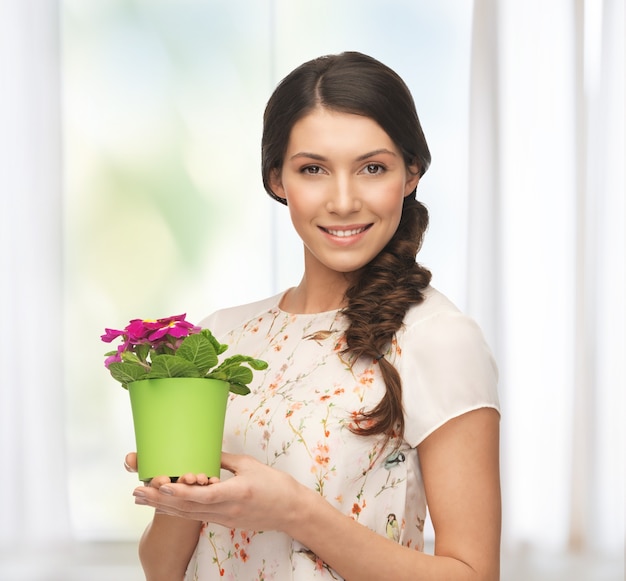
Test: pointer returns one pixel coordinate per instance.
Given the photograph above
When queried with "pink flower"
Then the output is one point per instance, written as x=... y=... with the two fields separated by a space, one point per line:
x=138 y=331
x=174 y=326
x=117 y=358
x=147 y=331
x=160 y=333
x=111 y=335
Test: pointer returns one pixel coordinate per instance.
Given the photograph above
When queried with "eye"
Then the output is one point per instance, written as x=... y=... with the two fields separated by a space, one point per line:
x=374 y=169
x=312 y=170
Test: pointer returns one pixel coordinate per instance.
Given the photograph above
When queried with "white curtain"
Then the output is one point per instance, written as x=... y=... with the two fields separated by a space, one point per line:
x=33 y=498
x=546 y=259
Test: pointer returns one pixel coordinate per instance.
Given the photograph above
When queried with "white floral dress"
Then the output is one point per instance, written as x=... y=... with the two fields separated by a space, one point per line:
x=298 y=415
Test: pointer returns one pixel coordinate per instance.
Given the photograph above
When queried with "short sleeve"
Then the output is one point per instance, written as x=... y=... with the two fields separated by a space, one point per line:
x=447 y=369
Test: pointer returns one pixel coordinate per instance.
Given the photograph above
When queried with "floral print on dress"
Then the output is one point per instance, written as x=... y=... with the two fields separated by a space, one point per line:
x=297 y=419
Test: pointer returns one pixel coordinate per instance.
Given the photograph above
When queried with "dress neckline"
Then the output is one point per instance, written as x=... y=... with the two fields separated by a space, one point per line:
x=281 y=296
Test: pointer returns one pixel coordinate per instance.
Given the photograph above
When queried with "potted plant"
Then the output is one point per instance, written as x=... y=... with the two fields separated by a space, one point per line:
x=178 y=392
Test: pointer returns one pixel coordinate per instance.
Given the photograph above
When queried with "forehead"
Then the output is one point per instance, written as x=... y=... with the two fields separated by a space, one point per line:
x=336 y=131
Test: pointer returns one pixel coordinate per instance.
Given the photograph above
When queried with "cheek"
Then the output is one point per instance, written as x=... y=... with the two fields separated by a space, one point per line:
x=390 y=203
x=303 y=200
x=301 y=214
x=298 y=207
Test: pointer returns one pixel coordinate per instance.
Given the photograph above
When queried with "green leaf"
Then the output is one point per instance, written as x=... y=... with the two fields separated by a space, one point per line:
x=236 y=360
x=239 y=389
x=172 y=366
x=199 y=350
x=130 y=357
x=162 y=349
x=126 y=372
x=236 y=374
x=142 y=351
x=240 y=374
x=219 y=347
x=257 y=364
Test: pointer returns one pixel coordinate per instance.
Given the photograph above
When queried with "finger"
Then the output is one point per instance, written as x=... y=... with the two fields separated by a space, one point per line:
x=231 y=462
x=159 y=481
x=188 y=478
x=181 y=500
x=191 y=478
x=130 y=462
x=176 y=495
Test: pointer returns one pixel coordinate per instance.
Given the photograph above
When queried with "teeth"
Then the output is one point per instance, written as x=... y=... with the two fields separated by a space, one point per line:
x=345 y=233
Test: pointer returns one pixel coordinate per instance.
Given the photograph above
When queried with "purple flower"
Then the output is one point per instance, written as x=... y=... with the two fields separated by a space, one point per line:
x=138 y=331
x=160 y=335
x=117 y=358
x=173 y=326
x=111 y=335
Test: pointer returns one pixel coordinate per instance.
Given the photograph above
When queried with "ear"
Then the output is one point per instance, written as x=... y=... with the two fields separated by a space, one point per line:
x=276 y=183
x=412 y=179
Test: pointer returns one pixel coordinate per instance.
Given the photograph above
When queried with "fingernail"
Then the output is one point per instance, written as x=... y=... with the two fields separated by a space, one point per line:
x=166 y=490
x=138 y=494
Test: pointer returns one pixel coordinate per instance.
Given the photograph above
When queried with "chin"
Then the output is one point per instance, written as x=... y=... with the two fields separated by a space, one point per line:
x=348 y=268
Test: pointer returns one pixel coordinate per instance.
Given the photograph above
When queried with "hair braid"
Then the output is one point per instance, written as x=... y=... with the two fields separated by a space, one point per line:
x=377 y=304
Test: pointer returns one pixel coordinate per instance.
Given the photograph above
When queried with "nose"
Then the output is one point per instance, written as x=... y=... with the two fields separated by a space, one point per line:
x=343 y=198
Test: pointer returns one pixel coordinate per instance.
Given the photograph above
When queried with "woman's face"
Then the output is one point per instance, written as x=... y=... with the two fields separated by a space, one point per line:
x=344 y=181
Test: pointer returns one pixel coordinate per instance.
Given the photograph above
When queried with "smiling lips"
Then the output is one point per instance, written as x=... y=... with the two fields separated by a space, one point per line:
x=346 y=232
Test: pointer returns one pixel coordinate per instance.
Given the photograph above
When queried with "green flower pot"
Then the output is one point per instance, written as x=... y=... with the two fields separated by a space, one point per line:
x=179 y=425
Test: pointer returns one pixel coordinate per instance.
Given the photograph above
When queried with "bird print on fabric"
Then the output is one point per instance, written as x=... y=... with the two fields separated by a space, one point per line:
x=393 y=530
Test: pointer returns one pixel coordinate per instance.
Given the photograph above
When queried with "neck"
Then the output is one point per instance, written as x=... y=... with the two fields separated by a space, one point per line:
x=311 y=297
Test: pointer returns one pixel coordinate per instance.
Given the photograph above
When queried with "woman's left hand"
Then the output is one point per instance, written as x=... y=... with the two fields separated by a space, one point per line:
x=257 y=497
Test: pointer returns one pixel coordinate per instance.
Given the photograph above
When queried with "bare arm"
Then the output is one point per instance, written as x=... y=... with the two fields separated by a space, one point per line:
x=461 y=474
x=167 y=546
x=463 y=490
x=168 y=542
x=460 y=465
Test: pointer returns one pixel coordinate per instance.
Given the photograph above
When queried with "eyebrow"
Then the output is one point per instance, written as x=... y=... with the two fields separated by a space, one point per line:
x=363 y=157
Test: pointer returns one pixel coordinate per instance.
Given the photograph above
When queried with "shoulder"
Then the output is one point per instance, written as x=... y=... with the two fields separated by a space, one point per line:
x=437 y=323
x=447 y=368
x=224 y=320
x=435 y=307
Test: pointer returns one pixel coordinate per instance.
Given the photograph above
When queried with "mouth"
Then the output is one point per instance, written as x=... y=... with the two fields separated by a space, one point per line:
x=346 y=232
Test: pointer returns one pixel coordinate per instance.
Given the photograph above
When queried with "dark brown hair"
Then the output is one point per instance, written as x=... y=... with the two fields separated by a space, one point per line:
x=378 y=299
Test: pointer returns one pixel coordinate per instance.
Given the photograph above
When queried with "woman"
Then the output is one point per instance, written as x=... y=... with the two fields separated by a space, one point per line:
x=380 y=397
